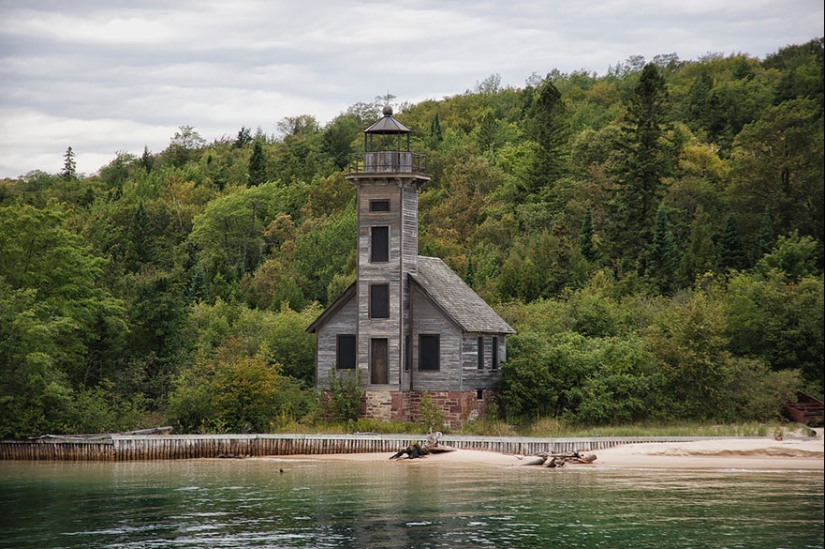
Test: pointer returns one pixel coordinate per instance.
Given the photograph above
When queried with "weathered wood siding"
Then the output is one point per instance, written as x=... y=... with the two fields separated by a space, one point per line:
x=409 y=226
x=427 y=319
x=472 y=377
x=370 y=273
x=326 y=342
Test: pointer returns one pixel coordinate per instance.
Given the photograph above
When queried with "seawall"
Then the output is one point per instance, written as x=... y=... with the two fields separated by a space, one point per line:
x=156 y=447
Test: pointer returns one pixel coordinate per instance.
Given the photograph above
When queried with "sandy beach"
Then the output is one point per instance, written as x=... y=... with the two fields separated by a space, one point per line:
x=791 y=453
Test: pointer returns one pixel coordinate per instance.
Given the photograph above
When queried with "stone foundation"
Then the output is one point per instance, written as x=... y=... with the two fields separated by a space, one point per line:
x=459 y=407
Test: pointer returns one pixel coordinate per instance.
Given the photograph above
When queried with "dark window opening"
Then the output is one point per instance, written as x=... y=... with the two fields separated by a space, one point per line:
x=495 y=353
x=380 y=301
x=346 y=351
x=479 y=394
x=481 y=353
x=379 y=205
x=428 y=352
x=407 y=353
x=380 y=249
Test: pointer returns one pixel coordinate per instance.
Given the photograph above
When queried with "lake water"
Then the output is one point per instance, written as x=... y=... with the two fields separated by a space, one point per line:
x=249 y=503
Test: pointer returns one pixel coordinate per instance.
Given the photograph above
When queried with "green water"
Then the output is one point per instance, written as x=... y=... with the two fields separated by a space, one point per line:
x=249 y=503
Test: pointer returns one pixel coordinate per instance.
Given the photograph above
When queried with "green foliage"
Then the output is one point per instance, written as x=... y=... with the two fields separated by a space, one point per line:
x=345 y=394
x=793 y=256
x=257 y=165
x=645 y=159
x=163 y=279
x=662 y=259
x=233 y=390
x=432 y=416
x=731 y=251
x=688 y=342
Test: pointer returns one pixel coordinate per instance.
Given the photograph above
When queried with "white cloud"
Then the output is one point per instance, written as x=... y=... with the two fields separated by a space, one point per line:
x=103 y=76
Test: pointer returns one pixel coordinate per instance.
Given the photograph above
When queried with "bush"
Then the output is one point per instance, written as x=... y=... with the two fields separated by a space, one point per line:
x=432 y=416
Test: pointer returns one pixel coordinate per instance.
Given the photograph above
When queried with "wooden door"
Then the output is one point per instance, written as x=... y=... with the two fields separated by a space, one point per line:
x=379 y=361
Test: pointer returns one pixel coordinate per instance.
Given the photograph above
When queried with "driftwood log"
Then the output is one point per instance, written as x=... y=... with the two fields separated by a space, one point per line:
x=558 y=460
x=420 y=449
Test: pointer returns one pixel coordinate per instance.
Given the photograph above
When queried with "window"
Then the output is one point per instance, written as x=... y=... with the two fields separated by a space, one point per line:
x=479 y=394
x=407 y=353
x=346 y=352
x=428 y=352
x=481 y=353
x=379 y=205
x=380 y=301
x=380 y=245
x=495 y=353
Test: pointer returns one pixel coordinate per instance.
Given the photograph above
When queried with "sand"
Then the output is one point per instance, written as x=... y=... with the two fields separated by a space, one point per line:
x=791 y=453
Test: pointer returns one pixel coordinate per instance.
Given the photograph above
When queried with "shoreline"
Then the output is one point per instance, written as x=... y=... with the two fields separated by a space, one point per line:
x=725 y=453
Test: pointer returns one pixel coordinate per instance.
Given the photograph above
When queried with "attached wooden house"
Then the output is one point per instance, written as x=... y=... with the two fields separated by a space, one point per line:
x=409 y=324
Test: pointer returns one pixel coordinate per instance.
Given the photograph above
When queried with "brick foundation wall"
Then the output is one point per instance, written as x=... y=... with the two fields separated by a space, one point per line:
x=459 y=407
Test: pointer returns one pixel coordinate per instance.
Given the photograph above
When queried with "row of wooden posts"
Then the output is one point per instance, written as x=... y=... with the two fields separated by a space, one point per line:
x=155 y=447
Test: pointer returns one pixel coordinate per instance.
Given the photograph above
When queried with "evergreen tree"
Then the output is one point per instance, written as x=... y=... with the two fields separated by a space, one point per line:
x=731 y=252
x=244 y=137
x=662 y=255
x=645 y=159
x=196 y=288
x=257 y=165
x=552 y=135
x=765 y=239
x=435 y=130
x=586 y=237
x=69 y=165
x=140 y=249
x=146 y=160
x=700 y=255
x=470 y=273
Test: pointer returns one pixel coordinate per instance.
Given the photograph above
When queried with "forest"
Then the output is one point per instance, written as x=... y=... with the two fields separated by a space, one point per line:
x=654 y=234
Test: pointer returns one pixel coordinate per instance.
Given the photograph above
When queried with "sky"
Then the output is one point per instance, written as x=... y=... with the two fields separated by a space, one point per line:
x=114 y=76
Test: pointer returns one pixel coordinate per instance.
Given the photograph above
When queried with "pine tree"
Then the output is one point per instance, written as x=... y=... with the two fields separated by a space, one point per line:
x=765 y=239
x=662 y=255
x=552 y=135
x=196 y=289
x=731 y=252
x=435 y=130
x=146 y=160
x=700 y=255
x=244 y=137
x=69 y=165
x=257 y=165
x=645 y=161
x=470 y=273
x=586 y=237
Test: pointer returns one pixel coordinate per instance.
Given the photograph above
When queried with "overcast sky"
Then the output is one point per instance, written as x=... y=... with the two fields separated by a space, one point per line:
x=113 y=75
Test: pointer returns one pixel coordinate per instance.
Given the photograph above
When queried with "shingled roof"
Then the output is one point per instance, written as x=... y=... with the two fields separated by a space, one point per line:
x=447 y=291
x=456 y=299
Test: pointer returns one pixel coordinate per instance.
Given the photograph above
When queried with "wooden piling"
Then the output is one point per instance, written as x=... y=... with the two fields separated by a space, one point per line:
x=158 y=447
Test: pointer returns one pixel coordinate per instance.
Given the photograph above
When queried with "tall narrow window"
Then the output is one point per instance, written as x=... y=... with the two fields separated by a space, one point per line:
x=428 y=352
x=380 y=301
x=346 y=351
x=407 y=353
x=495 y=353
x=380 y=245
x=481 y=353
x=379 y=205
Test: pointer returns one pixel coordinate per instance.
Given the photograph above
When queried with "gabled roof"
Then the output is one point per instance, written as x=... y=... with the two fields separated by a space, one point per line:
x=456 y=299
x=333 y=308
x=447 y=291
